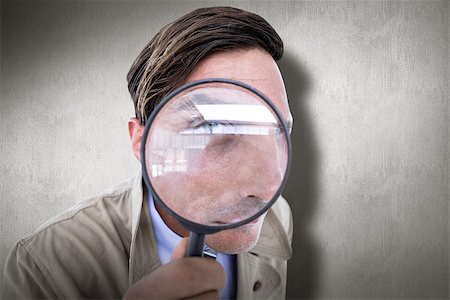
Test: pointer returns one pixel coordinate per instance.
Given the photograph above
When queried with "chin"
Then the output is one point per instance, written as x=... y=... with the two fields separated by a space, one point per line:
x=234 y=241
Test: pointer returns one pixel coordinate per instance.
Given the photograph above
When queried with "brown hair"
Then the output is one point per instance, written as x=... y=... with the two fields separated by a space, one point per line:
x=172 y=54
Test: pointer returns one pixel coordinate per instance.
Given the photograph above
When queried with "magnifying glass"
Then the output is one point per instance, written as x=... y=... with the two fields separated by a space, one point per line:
x=215 y=155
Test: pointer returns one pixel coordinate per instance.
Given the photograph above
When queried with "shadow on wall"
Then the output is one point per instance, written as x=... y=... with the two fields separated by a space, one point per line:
x=301 y=189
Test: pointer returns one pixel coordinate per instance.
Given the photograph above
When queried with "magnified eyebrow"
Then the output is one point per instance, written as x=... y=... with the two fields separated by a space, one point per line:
x=186 y=110
x=200 y=108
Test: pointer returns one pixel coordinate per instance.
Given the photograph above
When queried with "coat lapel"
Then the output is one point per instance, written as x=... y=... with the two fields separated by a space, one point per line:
x=143 y=253
x=262 y=271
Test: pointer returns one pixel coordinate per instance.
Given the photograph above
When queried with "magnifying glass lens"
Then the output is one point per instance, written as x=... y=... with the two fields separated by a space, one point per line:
x=216 y=154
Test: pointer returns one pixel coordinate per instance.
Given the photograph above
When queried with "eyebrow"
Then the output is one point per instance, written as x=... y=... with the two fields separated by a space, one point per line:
x=205 y=107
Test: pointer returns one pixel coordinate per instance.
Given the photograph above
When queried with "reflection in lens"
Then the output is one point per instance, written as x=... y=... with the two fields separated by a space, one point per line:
x=216 y=154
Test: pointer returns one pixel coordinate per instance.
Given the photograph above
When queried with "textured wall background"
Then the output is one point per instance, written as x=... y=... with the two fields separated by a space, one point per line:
x=368 y=85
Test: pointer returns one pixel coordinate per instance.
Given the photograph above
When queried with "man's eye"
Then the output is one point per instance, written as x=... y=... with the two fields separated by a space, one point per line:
x=219 y=134
x=213 y=128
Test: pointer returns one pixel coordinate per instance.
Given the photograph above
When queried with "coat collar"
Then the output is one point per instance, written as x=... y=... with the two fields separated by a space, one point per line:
x=143 y=251
x=274 y=242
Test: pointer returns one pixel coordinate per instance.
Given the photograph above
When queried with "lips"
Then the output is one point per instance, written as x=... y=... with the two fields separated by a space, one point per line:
x=223 y=212
x=234 y=221
x=227 y=217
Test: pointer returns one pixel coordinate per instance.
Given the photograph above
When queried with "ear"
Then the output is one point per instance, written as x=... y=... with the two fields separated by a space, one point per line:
x=135 y=130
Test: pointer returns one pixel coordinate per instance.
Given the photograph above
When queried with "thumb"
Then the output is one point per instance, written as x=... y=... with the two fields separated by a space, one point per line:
x=180 y=250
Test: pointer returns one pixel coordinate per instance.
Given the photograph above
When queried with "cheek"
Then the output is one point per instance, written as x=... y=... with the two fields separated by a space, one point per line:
x=209 y=180
x=210 y=172
x=179 y=193
x=193 y=195
x=212 y=160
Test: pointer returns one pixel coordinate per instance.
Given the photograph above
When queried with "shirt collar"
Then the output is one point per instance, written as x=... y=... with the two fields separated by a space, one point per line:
x=166 y=239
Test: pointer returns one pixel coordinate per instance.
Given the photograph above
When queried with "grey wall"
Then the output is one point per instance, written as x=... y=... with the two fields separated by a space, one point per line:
x=368 y=87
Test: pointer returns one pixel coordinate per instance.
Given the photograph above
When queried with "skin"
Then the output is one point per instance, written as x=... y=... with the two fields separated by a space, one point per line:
x=258 y=69
x=225 y=181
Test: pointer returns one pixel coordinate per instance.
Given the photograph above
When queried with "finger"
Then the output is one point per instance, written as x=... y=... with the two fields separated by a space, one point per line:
x=181 y=278
x=180 y=250
x=211 y=295
x=198 y=274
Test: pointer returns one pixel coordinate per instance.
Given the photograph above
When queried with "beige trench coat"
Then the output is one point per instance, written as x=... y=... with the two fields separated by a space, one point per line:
x=103 y=245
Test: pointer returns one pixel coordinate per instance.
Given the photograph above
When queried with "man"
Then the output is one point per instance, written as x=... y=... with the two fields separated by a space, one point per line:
x=122 y=244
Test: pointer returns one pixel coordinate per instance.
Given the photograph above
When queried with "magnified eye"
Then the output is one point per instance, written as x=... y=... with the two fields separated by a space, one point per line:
x=215 y=128
x=218 y=133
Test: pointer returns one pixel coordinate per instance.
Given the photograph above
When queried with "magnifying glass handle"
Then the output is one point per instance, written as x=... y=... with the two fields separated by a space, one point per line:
x=196 y=244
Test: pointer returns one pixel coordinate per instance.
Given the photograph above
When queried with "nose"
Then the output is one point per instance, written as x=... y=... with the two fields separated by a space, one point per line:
x=262 y=172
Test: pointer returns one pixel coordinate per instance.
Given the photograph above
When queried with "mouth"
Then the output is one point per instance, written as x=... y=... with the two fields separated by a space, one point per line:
x=222 y=222
x=237 y=212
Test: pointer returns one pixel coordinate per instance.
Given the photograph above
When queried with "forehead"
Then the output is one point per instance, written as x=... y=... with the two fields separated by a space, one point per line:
x=254 y=66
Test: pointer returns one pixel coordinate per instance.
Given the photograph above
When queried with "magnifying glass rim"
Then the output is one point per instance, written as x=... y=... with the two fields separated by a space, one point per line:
x=190 y=225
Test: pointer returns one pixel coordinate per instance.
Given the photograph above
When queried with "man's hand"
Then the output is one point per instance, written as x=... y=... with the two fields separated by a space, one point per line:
x=182 y=277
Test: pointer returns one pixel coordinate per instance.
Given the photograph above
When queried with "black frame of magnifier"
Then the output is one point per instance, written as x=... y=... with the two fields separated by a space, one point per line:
x=193 y=226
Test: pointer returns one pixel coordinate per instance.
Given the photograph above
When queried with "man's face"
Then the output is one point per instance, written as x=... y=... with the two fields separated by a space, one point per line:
x=229 y=184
